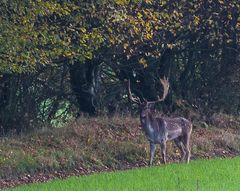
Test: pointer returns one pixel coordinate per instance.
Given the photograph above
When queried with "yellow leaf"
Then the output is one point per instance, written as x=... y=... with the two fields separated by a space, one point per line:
x=83 y=29
x=221 y=1
x=149 y=1
x=143 y=62
x=196 y=20
x=139 y=15
x=148 y=36
x=125 y=46
x=110 y=30
x=170 y=46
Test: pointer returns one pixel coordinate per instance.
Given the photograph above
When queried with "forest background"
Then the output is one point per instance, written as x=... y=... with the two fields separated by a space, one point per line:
x=61 y=59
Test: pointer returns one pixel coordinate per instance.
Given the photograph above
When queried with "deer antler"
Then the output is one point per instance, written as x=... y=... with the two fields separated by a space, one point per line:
x=133 y=99
x=165 y=85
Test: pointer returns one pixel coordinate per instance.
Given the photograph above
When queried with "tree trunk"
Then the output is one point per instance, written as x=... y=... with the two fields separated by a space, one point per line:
x=83 y=79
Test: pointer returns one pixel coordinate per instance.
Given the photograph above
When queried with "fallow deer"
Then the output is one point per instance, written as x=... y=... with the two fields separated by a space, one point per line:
x=159 y=130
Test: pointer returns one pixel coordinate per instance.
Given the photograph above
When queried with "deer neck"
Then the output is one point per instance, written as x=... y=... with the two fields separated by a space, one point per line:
x=147 y=124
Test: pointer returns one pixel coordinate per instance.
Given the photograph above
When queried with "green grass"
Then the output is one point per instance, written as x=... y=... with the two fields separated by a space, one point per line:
x=217 y=174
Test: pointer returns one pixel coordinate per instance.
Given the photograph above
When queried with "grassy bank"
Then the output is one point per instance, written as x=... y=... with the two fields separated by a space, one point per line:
x=218 y=174
x=98 y=144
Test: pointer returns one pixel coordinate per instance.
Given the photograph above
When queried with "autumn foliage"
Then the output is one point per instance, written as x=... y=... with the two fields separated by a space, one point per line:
x=60 y=59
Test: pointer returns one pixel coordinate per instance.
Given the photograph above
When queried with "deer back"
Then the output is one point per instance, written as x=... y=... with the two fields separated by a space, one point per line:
x=176 y=127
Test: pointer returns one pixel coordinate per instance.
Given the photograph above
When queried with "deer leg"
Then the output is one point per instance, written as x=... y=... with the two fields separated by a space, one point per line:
x=187 y=147
x=179 y=144
x=163 y=151
x=152 y=151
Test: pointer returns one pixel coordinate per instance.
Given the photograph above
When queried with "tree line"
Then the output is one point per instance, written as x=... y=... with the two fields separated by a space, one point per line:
x=62 y=58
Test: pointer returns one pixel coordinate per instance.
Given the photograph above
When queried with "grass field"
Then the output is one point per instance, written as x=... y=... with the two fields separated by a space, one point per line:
x=217 y=174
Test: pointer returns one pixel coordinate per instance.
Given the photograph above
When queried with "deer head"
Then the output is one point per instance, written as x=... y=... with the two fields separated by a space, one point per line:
x=147 y=106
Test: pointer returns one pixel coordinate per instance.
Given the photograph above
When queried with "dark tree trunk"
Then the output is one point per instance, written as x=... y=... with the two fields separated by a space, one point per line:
x=4 y=101
x=83 y=78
